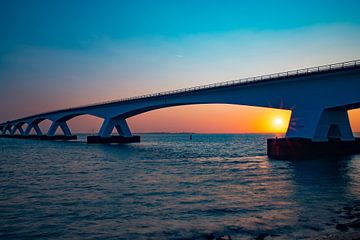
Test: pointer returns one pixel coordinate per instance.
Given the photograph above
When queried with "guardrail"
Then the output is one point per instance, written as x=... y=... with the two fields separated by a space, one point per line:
x=304 y=71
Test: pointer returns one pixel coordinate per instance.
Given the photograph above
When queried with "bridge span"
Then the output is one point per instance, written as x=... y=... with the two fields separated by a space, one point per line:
x=319 y=98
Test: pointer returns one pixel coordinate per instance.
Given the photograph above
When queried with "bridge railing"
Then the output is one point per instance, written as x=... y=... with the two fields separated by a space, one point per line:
x=304 y=71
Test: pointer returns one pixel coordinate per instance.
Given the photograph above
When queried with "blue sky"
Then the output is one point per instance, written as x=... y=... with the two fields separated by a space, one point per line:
x=73 y=24
x=79 y=52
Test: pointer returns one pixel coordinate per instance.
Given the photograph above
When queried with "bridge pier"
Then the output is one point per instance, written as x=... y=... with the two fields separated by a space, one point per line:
x=55 y=125
x=38 y=133
x=35 y=126
x=110 y=123
x=7 y=128
x=113 y=139
x=52 y=131
x=106 y=129
x=17 y=127
x=305 y=148
x=319 y=124
x=315 y=133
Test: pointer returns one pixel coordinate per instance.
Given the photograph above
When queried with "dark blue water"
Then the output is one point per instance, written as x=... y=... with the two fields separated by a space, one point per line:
x=168 y=187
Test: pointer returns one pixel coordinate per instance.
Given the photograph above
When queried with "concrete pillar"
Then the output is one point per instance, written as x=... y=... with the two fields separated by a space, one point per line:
x=17 y=127
x=13 y=130
x=8 y=128
x=334 y=123
x=63 y=125
x=319 y=124
x=106 y=128
x=123 y=128
x=36 y=128
x=120 y=125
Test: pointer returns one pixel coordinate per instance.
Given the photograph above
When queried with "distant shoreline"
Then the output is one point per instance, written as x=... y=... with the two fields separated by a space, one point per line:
x=206 y=133
x=181 y=133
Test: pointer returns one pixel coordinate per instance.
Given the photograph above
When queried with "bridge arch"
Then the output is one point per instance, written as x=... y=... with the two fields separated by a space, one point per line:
x=33 y=124
x=77 y=122
x=211 y=118
x=18 y=127
x=67 y=117
x=60 y=121
x=323 y=123
x=8 y=128
x=142 y=110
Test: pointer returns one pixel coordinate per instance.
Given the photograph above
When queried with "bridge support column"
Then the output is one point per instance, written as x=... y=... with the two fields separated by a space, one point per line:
x=55 y=125
x=34 y=126
x=106 y=129
x=320 y=124
x=315 y=132
x=120 y=125
x=334 y=124
x=303 y=123
x=21 y=131
x=8 y=128
x=65 y=129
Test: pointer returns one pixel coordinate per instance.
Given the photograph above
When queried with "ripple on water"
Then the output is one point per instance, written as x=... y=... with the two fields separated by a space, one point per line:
x=168 y=187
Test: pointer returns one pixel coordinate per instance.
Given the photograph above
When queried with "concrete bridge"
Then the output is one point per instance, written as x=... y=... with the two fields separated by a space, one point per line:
x=319 y=98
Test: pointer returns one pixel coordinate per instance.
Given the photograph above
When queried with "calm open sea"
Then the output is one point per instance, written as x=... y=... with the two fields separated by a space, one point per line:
x=168 y=187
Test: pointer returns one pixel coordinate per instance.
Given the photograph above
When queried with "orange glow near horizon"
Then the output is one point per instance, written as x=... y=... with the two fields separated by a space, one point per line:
x=213 y=118
x=354 y=116
x=279 y=125
x=209 y=118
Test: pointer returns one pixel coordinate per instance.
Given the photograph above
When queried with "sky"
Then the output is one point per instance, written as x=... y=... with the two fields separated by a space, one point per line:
x=59 y=54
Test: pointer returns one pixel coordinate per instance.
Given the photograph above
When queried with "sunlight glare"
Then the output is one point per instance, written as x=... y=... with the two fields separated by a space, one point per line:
x=278 y=121
x=278 y=124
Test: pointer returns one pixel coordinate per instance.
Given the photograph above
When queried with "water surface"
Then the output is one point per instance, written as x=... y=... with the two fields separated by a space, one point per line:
x=168 y=187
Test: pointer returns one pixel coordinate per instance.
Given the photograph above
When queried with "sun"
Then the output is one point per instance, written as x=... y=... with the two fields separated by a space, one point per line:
x=278 y=121
x=278 y=124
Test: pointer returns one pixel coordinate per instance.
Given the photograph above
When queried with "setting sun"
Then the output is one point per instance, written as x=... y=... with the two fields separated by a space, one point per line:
x=279 y=124
x=278 y=121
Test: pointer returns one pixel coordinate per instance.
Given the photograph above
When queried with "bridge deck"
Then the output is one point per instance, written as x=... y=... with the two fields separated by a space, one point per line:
x=336 y=67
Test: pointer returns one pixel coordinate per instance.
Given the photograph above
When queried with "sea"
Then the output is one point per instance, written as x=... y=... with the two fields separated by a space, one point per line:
x=171 y=187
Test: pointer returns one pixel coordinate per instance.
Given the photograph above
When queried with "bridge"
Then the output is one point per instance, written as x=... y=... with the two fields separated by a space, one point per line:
x=319 y=98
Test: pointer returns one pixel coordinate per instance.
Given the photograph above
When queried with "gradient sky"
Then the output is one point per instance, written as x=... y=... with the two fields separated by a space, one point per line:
x=56 y=54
